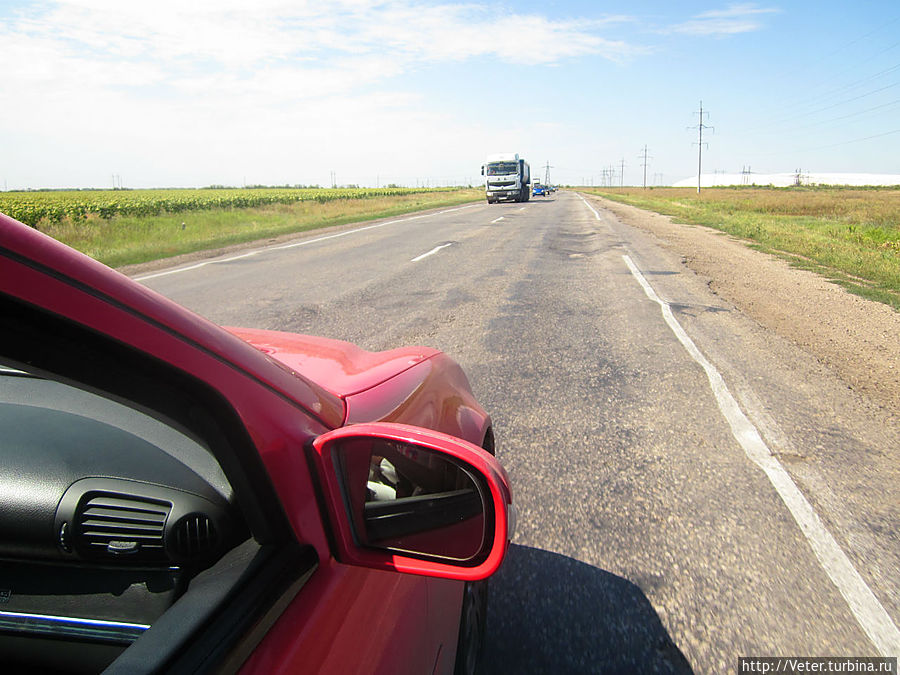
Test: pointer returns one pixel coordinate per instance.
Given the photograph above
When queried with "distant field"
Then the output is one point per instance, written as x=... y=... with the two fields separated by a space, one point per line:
x=120 y=227
x=851 y=235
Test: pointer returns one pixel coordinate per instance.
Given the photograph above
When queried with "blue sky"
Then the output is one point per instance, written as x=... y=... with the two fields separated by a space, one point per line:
x=182 y=94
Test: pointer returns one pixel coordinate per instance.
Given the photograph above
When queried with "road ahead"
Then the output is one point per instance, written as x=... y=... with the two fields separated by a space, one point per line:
x=690 y=488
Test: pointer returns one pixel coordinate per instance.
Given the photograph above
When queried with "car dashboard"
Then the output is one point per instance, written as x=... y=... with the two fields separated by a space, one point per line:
x=106 y=514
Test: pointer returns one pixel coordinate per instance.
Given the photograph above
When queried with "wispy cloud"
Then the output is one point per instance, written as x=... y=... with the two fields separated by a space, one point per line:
x=239 y=54
x=237 y=39
x=735 y=19
x=174 y=76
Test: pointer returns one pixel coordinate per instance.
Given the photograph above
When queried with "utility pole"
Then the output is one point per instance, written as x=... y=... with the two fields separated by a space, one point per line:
x=547 y=174
x=644 y=157
x=700 y=127
x=622 y=174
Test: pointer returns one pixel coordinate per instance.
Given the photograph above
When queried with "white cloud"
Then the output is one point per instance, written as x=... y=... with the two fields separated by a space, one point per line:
x=236 y=36
x=735 y=19
x=163 y=81
x=272 y=49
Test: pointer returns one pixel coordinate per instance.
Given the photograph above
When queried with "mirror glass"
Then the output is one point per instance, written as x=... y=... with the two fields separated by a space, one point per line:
x=410 y=499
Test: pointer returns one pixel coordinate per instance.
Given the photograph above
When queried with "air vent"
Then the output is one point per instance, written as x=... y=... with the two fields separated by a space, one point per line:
x=121 y=526
x=195 y=537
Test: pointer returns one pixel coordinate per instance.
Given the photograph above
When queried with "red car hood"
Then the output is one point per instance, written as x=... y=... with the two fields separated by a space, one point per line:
x=339 y=367
x=26 y=248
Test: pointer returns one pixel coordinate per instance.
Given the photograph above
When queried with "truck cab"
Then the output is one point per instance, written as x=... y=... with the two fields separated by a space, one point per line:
x=507 y=178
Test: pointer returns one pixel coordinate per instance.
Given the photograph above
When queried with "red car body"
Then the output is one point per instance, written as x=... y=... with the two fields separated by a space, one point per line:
x=280 y=403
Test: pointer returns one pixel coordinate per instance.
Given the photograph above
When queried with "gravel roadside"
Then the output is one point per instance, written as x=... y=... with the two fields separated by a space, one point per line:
x=857 y=338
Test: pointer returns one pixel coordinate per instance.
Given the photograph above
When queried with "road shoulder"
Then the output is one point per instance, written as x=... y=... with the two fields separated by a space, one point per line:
x=856 y=338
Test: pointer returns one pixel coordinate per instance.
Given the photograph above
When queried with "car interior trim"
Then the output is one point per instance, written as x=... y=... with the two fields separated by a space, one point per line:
x=158 y=387
x=71 y=627
x=259 y=581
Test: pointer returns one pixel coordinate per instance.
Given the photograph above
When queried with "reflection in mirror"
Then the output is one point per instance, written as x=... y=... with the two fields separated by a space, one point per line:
x=410 y=499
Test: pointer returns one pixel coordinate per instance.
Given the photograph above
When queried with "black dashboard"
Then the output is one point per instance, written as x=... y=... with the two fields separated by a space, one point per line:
x=106 y=514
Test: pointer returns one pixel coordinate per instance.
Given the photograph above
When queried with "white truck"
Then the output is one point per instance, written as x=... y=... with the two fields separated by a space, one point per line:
x=506 y=178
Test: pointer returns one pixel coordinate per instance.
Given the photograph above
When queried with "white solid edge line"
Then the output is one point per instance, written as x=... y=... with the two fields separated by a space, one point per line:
x=296 y=244
x=431 y=252
x=587 y=204
x=497 y=220
x=869 y=612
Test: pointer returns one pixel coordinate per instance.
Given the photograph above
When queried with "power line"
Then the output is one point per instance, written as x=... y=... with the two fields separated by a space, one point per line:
x=830 y=96
x=872 y=32
x=849 y=65
x=856 y=140
x=607 y=177
x=831 y=145
x=805 y=98
x=700 y=127
x=857 y=83
x=855 y=67
x=850 y=100
x=644 y=157
x=854 y=114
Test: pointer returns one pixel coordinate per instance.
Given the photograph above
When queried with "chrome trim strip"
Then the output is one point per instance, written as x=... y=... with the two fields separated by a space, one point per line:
x=73 y=627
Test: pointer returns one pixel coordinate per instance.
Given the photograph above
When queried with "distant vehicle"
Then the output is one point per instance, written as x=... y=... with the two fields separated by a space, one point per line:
x=539 y=189
x=506 y=178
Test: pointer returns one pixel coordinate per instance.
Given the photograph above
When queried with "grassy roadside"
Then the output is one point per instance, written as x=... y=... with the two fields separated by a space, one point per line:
x=850 y=236
x=126 y=240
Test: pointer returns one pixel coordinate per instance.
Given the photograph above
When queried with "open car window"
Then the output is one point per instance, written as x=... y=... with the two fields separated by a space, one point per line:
x=123 y=543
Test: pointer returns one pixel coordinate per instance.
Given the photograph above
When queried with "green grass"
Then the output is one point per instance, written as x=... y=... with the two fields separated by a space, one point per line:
x=850 y=236
x=125 y=240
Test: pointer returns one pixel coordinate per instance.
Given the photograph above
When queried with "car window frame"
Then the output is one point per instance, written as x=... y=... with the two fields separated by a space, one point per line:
x=218 y=625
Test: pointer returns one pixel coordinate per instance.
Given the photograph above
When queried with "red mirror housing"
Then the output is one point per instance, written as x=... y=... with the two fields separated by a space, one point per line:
x=413 y=500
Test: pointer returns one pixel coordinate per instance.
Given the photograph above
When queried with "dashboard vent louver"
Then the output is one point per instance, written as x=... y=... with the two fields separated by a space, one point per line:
x=195 y=537
x=122 y=526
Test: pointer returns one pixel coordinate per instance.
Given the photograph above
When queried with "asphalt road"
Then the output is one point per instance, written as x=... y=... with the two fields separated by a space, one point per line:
x=683 y=501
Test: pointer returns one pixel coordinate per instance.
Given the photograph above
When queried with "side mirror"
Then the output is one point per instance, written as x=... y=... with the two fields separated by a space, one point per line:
x=412 y=500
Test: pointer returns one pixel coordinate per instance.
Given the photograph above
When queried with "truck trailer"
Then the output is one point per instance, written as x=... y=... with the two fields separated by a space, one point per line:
x=506 y=178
